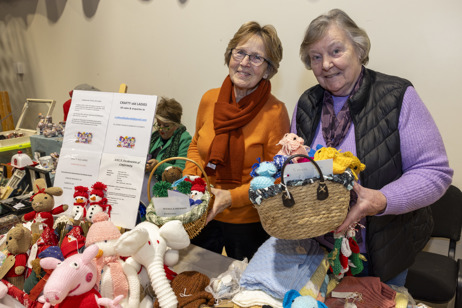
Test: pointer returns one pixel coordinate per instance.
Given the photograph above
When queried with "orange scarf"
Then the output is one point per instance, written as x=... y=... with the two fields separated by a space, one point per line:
x=228 y=119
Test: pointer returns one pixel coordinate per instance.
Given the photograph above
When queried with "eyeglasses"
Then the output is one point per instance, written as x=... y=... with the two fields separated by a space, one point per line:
x=240 y=55
x=163 y=127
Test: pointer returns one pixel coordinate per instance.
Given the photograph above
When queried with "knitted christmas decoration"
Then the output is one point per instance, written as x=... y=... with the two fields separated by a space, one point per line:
x=72 y=242
x=345 y=257
x=81 y=191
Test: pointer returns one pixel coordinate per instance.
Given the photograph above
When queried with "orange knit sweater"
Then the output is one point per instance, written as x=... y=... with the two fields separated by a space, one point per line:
x=260 y=138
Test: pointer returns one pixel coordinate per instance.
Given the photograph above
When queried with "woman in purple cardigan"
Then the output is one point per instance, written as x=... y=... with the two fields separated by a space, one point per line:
x=382 y=120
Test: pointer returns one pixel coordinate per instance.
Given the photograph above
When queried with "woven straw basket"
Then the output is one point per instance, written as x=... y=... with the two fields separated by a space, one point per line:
x=304 y=211
x=192 y=228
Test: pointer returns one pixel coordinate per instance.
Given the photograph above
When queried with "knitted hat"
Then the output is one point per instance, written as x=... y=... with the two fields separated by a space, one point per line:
x=189 y=288
x=102 y=229
x=72 y=242
x=371 y=292
x=98 y=189
x=52 y=251
x=47 y=238
x=198 y=185
x=81 y=191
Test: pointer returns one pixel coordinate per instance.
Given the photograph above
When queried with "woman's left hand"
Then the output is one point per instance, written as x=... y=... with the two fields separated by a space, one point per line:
x=222 y=201
x=370 y=202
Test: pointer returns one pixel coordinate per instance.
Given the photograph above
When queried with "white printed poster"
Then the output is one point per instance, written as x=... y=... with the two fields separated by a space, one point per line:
x=106 y=139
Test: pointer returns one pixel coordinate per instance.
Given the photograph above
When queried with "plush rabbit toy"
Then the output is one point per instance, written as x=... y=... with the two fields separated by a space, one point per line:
x=43 y=205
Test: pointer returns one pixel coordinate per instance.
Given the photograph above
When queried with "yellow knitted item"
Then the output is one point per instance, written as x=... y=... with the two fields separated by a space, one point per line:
x=401 y=300
x=340 y=161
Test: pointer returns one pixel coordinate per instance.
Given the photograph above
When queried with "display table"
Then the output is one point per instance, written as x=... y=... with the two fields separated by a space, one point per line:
x=45 y=145
x=195 y=258
x=192 y=258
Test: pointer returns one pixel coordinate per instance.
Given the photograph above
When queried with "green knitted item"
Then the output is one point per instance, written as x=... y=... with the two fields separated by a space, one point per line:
x=160 y=189
x=184 y=187
x=334 y=257
x=357 y=262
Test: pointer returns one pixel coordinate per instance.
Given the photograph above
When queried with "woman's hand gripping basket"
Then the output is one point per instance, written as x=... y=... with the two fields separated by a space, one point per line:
x=194 y=220
x=304 y=208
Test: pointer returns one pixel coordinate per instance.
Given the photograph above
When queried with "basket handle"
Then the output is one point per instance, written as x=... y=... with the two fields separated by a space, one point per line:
x=322 y=192
x=175 y=158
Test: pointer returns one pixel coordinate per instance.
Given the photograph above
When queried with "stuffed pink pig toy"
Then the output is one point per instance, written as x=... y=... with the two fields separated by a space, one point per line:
x=72 y=283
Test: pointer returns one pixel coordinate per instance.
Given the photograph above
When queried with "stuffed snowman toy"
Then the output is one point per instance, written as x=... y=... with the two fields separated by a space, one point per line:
x=98 y=201
x=80 y=202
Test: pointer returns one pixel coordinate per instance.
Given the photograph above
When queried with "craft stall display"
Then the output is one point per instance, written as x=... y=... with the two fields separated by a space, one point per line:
x=65 y=258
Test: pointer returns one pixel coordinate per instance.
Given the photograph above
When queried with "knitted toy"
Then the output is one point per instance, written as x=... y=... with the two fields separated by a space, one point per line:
x=47 y=239
x=263 y=175
x=98 y=201
x=172 y=174
x=341 y=161
x=36 y=281
x=198 y=186
x=79 y=210
x=72 y=242
x=189 y=288
x=345 y=257
x=18 y=242
x=291 y=145
x=115 y=275
x=293 y=299
x=72 y=283
x=147 y=245
x=43 y=205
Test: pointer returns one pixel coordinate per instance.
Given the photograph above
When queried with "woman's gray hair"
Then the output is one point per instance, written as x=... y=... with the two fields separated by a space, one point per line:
x=319 y=26
x=269 y=35
x=169 y=110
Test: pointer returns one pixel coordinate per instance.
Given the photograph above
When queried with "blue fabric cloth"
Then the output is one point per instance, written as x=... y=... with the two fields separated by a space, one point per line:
x=281 y=265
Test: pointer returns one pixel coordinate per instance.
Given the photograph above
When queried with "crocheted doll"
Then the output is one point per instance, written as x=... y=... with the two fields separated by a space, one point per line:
x=116 y=277
x=98 y=201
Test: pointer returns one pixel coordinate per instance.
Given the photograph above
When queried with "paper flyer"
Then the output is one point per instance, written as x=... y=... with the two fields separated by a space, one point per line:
x=106 y=139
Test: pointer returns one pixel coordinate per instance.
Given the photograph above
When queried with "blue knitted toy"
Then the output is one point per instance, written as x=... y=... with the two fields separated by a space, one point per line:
x=263 y=175
x=293 y=299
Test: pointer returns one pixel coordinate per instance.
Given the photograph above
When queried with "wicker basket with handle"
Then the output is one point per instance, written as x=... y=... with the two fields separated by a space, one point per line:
x=303 y=211
x=193 y=228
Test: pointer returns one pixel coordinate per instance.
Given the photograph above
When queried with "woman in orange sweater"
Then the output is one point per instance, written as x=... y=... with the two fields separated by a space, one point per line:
x=237 y=124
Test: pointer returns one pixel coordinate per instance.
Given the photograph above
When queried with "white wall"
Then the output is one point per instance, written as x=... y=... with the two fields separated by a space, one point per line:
x=175 y=48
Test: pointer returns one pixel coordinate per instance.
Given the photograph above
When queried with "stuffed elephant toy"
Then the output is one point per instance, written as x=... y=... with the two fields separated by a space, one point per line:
x=152 y=247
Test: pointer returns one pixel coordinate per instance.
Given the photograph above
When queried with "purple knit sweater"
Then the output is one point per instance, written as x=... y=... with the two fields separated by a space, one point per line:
x=426 y=171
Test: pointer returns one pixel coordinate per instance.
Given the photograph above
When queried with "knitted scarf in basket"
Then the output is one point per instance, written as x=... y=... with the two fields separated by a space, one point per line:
x=172 y=149
x=226 y=155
